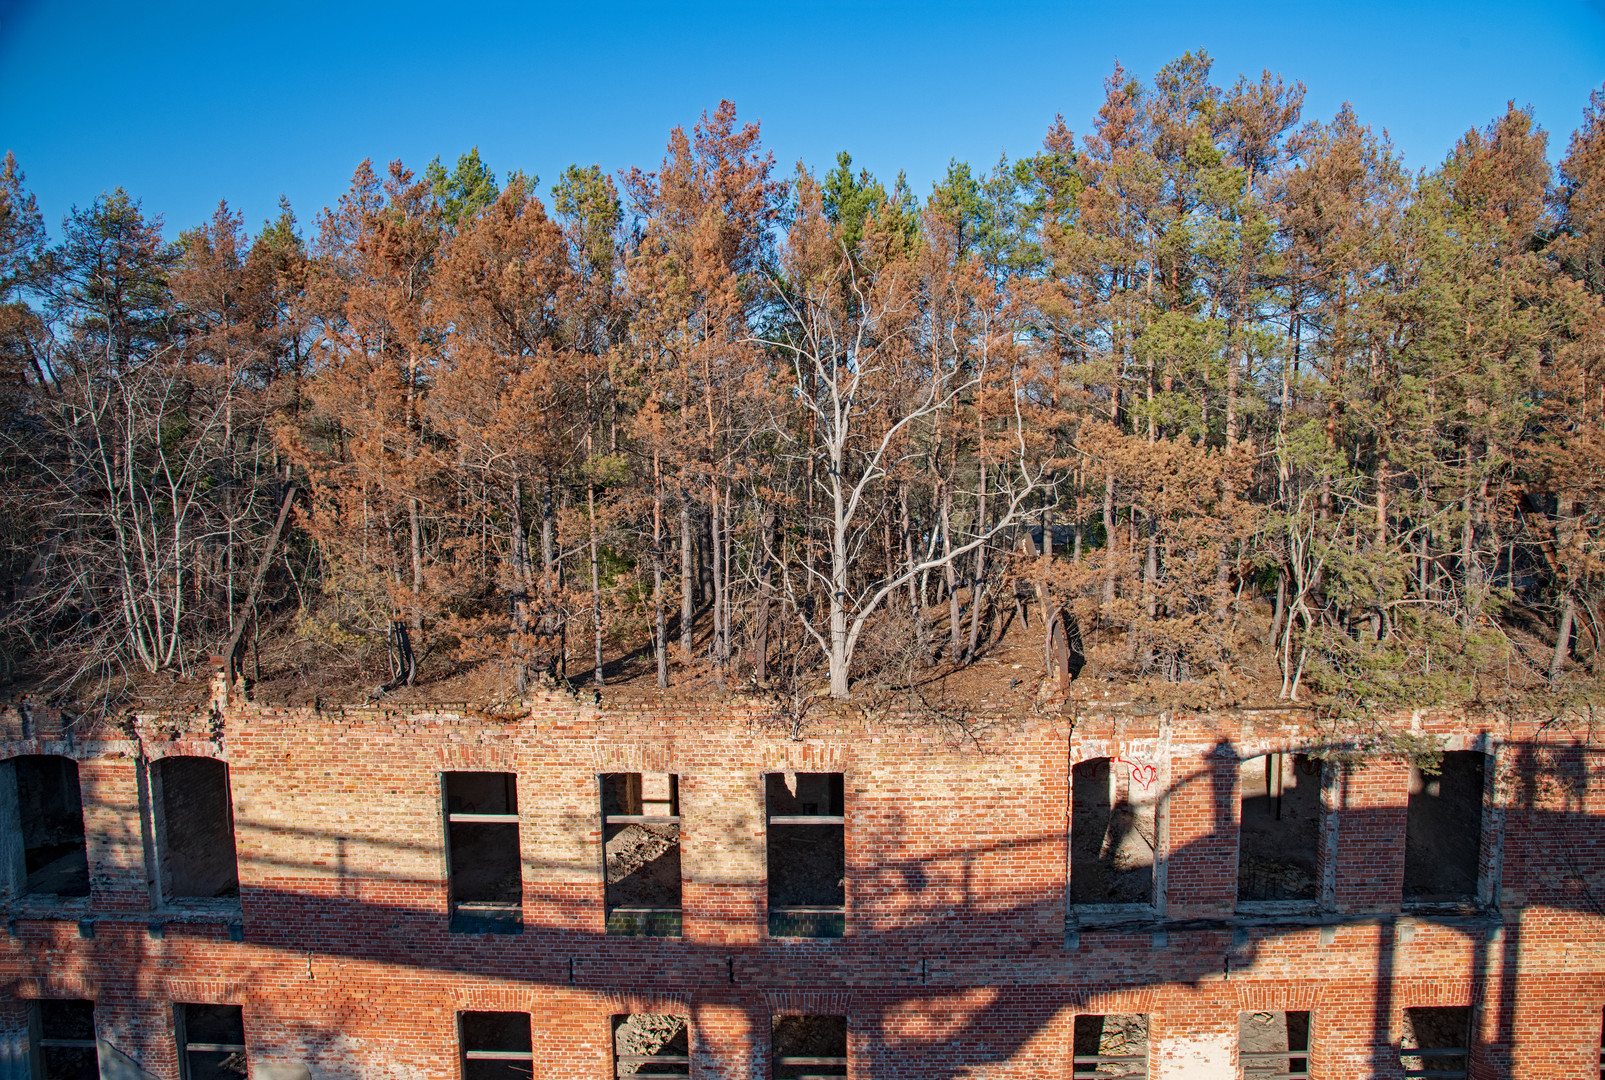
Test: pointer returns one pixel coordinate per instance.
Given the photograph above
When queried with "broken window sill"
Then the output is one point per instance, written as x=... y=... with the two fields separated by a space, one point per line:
x=1443 y=905
x=46 y=906
x=807 y=922
x=644 y=922
x=1111 y=914
x=486 y=918
x=1271 y=908
x=201 y=907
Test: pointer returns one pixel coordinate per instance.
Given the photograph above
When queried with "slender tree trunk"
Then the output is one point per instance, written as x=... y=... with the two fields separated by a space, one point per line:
x=1568 y=604
x=1563 y=637
x=596 y=582
x=716 y=513
x=765 y=558
x=688 y=608
x=916 y=606
x=955 y=619
x=1111 y=565
x=980 y=567
x=549 y=573
x=519 y=614
x=660 y=634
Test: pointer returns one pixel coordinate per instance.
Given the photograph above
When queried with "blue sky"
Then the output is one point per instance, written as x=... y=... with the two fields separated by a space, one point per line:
x=184 y=104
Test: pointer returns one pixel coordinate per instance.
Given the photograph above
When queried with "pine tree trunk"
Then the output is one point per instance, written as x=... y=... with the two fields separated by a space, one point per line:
x=980 y=568
x=688 y=609
x=1109 y=544
x=660 y=629
x=765 y=557
x=596 y=582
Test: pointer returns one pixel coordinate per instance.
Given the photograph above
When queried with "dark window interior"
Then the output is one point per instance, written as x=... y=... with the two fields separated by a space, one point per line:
x=52 y=813
x=807 y=854
x=1436 y=1042
x=197 y=849
x=1280 y=828
x=214 y=1042
x=496 y=1045
x=66 y=1040
x=1443 y=837
x=483 y=851
x=808 y=1047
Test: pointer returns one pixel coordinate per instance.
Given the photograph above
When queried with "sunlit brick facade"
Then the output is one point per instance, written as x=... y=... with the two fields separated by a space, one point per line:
x=960 y=953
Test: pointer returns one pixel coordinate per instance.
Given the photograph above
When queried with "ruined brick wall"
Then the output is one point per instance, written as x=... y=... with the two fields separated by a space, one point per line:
x=961 y=956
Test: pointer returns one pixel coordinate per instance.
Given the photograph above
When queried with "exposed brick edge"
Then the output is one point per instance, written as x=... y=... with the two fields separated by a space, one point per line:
x=1112 y=1002
x=807 y=1002
x=207 y=992
x=625 y=1003
x=1272 y=998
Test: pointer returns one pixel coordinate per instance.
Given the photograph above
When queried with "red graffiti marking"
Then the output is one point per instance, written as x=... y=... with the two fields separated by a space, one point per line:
x=1143 y=774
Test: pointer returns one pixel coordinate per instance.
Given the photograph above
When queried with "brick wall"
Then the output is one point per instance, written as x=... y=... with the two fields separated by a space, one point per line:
x=961 y=956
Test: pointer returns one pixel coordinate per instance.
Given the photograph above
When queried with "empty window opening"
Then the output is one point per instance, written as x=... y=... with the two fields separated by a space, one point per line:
x=1111 y=1046
x=1280 y=828
x=641 y=853
x=195 y=828
x=1443 y=837
x=50 y=811
x=1436 y=1042
x=487 y=884
x=651 y=1044
x=213 y=1040
x=808 y=1047
x=807 y=854
x=1274 y=1045
x=63 y=1032
x=496 y=1045
x=1113 y=834
x=1602 y=1049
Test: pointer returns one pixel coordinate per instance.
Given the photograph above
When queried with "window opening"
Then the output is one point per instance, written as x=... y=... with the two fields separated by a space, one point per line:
x=1111 y=1046
x=64 y=1033
x=1113 y=834
x=496 y=1045
x=808 y=1047
x=485 y=868
x=641 y=853
x=1274 y=1045
x=1279 y=831
x=195 y=827
x=50 y=810
x=1436 y=1042
x=1602 y=1048
x=651 y=1044
x=807 y=854
x=213 y=1040
x=1443 y=834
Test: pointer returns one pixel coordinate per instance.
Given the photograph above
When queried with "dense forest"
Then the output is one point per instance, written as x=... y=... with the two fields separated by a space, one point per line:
x=1228 y=395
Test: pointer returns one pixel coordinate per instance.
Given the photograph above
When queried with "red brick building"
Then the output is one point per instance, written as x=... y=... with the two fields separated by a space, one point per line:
x=441 y=894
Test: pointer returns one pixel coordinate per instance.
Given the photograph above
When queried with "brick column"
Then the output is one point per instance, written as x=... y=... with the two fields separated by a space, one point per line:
x=1201 y=859
x=723 y=872
x=1372 y=802
x=113 y=834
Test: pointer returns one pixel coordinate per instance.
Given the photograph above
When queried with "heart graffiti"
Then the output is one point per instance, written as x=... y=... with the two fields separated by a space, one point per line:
x=1143 y=774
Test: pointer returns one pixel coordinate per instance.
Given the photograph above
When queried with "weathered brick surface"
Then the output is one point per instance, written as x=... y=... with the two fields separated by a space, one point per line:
x=961 y=957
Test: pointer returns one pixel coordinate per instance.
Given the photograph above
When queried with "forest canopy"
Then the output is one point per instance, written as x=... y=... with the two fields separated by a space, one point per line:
x=1222 y=394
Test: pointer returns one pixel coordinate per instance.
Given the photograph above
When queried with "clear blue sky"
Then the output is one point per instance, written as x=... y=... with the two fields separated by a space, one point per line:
x=184 y=104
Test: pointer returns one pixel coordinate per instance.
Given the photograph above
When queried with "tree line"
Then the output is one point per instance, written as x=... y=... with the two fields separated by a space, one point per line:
x=1216 y=389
